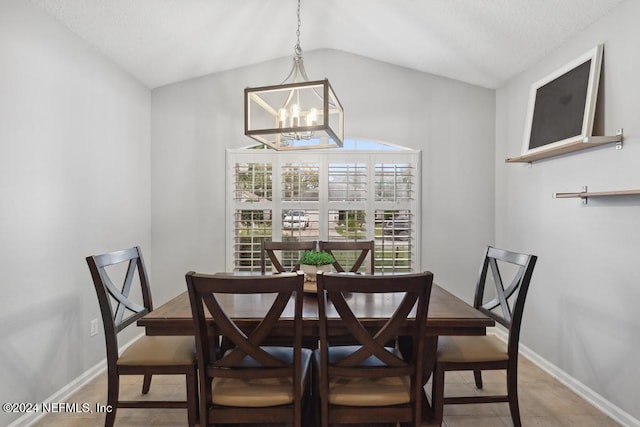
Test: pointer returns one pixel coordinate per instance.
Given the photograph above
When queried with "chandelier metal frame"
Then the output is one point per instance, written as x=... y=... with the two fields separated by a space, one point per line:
x=297 y=114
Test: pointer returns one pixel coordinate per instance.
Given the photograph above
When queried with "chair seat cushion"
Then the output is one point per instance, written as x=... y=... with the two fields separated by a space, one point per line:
x=384 y=391
x=471 y=349
x=160 y=350
x=258 y=392
x=360 y=391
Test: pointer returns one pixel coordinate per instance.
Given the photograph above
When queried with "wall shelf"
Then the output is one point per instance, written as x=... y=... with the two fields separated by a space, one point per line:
x=584 y=194
x=588 y=142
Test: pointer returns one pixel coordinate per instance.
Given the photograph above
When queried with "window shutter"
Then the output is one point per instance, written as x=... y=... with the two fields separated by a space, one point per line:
x=337 y=194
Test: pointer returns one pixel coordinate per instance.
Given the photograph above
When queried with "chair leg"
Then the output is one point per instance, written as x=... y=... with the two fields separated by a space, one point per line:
x=512 y=391
x=477 y=374
x=437 y=394
x=322 y=401
x=192 y=398
x=113 y=388
x=322 y=405
x=421 y=406
x=316 y=407
x=324 y=414
x=146 y=383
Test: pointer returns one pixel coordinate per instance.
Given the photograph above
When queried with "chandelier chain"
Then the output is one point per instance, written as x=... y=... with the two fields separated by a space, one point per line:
x=297 y=48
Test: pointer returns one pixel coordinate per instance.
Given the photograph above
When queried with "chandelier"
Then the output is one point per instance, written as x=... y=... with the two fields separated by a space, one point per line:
x=297 y=114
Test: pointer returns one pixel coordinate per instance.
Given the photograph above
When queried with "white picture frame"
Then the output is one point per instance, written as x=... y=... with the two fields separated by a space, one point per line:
x=562 y=105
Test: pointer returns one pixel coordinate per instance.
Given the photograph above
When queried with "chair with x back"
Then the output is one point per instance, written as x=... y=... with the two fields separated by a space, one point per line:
x=250 y=382
x=350 y=253
x=149 y=355
x=290 y=254
x=370 y=382
x=478 y=353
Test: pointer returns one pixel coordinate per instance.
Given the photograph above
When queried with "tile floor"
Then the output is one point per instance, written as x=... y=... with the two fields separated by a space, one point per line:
x=543 y=402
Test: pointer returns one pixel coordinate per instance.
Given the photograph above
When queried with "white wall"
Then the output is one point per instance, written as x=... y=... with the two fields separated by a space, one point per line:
x=74 y=180
x=582 y=311
x=193 y=122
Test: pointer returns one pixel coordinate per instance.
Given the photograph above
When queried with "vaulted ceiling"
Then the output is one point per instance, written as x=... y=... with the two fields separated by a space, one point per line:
x=483 y=42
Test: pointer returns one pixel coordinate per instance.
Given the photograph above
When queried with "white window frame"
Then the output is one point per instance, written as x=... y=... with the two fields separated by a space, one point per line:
x=323 y=158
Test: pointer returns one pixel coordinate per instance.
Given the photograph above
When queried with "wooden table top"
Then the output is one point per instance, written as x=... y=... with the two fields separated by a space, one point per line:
x=448 y=314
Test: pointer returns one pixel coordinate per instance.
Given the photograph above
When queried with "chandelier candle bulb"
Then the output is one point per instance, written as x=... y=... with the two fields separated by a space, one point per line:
x=282 y=117
x=312 y=117
x=295 y=115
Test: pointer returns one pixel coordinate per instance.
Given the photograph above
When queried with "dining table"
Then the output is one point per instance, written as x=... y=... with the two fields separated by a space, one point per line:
x=447 y=315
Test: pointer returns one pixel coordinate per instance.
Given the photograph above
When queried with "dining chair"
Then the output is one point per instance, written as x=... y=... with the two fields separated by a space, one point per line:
x=148 y=355
x=290 y=253
x=250 y=382
x=478 y=353
x=370 y=382
x=354 y=253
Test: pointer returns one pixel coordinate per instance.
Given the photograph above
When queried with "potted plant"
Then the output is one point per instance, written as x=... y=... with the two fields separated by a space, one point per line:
x=314 y=261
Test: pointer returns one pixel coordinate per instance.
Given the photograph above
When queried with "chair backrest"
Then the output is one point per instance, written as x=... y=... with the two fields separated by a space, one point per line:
x=519 y=267
x=371 y=344
x=127 y=310
x=353 y=253
x=290 y=254
x=203 y=290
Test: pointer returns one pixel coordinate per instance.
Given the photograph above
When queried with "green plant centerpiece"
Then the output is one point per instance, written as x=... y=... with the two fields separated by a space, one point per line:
x=314 y=261
x=316 y=258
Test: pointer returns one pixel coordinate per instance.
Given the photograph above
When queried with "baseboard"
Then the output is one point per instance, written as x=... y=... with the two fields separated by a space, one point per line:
x=62 y=394
x=611 y=410
x=65 y=392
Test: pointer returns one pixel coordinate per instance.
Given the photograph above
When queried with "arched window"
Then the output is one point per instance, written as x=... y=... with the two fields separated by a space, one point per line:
x=366 y=190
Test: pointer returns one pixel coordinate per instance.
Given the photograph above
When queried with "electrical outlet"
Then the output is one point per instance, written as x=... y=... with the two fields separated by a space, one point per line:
x=94 y=327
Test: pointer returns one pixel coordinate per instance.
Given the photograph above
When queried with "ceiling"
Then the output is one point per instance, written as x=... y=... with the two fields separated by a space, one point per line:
x=483 y=42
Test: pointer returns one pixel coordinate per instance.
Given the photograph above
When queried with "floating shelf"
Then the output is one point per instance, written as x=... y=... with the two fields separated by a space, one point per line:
x=588 y=142
x=584 y=194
